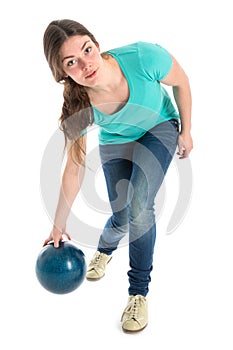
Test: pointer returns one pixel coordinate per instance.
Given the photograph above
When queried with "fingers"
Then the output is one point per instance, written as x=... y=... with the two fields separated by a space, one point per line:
x=49 y=239
x=67 y=235
x=46 y=242
x=181 y=152
x=56 y=243
x=185 y=146
x=56 y=238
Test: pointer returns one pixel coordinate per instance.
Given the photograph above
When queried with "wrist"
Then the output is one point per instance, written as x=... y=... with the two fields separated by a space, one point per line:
x=186 y=132
x=59 y=227
x=185 y=129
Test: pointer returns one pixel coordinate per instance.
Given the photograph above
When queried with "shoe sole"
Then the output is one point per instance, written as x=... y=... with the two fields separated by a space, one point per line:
x=98 y=278
x=133 y=331
x=94 y=279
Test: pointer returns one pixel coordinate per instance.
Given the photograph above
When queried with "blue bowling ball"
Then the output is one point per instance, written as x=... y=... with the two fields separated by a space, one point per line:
x=61 y=270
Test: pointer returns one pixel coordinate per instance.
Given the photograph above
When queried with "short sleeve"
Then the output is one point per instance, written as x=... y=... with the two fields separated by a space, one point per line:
x=83 y=132
x=156 y=61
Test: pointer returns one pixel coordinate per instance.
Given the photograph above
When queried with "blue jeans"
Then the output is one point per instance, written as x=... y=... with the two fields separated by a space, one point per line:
x=134 y=172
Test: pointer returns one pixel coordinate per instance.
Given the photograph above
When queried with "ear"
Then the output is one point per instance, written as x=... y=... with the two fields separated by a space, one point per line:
x=98 y=46
x=64 y=75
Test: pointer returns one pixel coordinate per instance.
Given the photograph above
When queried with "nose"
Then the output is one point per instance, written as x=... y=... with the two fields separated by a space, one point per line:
x=84 y=65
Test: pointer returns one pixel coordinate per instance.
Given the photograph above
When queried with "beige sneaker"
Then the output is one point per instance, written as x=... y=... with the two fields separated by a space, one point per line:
x=97 y=266
x=135 y=315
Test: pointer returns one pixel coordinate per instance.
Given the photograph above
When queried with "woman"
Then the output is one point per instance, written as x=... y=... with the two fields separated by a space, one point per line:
x=119 y=90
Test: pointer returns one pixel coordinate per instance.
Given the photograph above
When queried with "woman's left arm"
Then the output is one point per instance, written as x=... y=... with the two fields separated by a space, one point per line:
x=179 y=81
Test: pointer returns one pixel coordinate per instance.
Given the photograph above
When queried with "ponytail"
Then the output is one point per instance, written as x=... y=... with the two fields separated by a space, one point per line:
x=77 y=115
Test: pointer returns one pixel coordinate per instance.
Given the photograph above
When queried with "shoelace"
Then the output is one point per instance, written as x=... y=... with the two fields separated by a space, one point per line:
x=132 y=309
x=96 y=260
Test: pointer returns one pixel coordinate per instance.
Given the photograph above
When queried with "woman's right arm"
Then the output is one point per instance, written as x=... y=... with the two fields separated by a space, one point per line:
x=71 y=183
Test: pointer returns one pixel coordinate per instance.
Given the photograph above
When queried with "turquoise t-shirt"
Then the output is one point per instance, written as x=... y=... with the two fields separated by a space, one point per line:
x=149 y=104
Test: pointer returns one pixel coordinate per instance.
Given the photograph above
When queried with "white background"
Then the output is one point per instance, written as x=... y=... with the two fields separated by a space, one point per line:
x=190 y=299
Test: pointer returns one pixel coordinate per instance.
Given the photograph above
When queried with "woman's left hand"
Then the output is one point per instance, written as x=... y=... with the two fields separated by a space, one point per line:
x=185 y=145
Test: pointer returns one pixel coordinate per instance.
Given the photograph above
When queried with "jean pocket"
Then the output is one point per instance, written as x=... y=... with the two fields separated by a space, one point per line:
x=175 y=123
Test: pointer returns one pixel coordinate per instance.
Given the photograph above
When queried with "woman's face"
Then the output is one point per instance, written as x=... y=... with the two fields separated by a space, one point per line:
x=81 y=60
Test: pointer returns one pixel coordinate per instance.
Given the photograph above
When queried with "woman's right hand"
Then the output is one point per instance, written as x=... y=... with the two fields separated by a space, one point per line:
x=56 y=237
x=71 y=182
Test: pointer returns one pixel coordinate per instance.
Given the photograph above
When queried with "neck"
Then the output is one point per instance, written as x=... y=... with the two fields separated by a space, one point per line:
x=111 y=78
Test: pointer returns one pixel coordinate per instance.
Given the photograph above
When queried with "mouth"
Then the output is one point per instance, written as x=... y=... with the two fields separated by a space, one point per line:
x=91 y=75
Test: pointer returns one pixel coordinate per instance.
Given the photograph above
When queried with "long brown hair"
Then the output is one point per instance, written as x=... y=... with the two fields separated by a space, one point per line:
x=77 y=112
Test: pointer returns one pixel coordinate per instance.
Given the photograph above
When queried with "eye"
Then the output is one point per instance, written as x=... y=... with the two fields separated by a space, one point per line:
x=71 y=63
x=88 y=49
